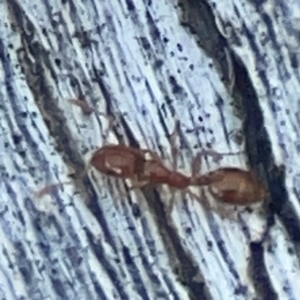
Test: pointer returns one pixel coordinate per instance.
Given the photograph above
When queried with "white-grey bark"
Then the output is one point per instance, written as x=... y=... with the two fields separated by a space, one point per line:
x=228 y=70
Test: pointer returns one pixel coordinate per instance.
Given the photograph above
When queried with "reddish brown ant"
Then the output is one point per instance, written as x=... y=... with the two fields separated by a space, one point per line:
x=230 y=185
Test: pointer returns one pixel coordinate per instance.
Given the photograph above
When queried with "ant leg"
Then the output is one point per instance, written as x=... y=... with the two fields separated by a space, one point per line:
x=202 y=199
x=196 y=167
x=112 y=120
x=219 y=208
x=217 y=156
x=153 y=155
x=48 y=189
x=222 y=210
x=174 y=149
x=197 y=160
x=169 y=207
x=85 y=108
x=136 y=184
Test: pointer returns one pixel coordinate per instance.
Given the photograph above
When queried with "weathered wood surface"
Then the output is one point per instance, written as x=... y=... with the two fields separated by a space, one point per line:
x=229 y=70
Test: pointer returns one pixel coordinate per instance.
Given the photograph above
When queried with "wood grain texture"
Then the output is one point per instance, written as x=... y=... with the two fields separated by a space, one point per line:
x=228 y=70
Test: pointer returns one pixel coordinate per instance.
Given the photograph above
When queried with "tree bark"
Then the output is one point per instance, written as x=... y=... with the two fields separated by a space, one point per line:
x=228 y=70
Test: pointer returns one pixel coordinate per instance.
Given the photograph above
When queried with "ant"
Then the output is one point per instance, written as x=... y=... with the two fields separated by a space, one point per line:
x=229 y=185
x=233 y=185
